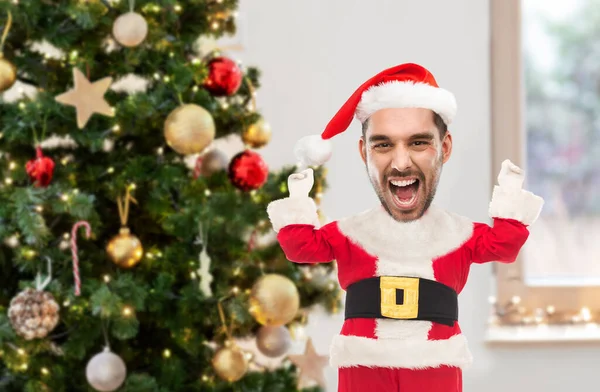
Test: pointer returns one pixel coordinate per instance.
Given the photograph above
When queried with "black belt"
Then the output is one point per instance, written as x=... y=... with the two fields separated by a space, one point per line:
x=404 y=298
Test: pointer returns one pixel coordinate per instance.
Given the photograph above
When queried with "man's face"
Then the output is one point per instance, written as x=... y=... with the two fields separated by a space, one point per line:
x=404 y=153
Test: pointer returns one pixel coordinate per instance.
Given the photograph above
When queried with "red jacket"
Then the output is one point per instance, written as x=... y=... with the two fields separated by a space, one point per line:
x=440 y=246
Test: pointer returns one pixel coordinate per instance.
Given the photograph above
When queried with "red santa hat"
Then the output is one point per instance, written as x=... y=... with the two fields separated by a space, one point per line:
x=403 y=86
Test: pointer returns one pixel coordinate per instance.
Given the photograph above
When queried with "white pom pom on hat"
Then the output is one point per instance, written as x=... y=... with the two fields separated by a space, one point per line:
x=403 y=86
x=313 y=150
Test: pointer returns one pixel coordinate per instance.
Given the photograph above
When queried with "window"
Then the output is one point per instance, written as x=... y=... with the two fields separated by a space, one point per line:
x=546 y=118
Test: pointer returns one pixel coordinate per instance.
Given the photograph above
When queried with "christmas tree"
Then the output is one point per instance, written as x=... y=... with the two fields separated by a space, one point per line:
x=123 y=266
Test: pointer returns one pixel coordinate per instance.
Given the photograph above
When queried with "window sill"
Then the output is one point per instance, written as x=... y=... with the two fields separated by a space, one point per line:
x=496 y=334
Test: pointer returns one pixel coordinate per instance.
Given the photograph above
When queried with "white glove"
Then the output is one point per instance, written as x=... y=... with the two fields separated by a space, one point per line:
x=300 y=184
x=511 y=176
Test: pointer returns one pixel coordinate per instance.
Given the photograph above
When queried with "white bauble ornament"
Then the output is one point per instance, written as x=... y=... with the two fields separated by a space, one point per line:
x=130 y=29
x=106 y=371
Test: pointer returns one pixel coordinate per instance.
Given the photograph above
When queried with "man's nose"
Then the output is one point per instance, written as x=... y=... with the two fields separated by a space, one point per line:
x=402 y=159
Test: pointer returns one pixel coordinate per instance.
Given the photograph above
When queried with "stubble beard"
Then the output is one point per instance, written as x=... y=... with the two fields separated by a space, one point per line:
x=430 y=189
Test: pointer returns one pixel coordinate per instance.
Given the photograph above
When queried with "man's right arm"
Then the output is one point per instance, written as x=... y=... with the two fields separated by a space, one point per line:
x=296 y=222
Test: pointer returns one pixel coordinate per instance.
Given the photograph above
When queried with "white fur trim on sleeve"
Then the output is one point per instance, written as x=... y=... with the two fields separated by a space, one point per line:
x=349 y=351
x=398 y=94
x=293 y=210
x=520 y=205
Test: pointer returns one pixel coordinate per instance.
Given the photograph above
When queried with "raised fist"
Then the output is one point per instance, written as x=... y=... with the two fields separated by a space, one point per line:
x=300 y=184
x=511 y=176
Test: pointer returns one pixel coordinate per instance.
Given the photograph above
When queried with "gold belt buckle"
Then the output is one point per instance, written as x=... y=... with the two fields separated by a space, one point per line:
x=409 y=309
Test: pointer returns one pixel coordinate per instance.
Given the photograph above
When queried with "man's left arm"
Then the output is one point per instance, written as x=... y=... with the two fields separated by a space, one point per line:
x=513 y=209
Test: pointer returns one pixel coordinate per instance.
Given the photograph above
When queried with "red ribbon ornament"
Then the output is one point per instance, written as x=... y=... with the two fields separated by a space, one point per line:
x=40 y=169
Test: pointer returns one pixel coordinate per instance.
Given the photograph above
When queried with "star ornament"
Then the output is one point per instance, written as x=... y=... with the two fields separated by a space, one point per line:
x=87 y=97
x=310 y=365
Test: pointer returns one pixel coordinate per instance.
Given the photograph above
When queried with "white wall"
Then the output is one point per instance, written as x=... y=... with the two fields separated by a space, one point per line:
x=313 y=54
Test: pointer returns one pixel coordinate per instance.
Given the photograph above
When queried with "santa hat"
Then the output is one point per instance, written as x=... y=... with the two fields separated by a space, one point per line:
x=403 y=86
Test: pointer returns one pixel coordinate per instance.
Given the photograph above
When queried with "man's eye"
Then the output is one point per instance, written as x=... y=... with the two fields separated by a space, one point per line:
x=421 y=143
x=382 y=145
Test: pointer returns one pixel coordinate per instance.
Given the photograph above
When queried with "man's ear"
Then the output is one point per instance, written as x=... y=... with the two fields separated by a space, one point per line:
x=362 y=148
x=447 y=147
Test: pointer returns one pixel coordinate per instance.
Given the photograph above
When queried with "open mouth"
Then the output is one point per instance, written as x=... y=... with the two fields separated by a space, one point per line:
x=405 y=192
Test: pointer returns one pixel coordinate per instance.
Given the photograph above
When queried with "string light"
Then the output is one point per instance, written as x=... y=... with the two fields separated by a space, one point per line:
x=207 y=192
x=106 y=278
x=22 y=105
x=21 y=352
x=12 y=166
x=127 y=311
x=110 y=170
x=204 y=378
x=39 y=208
x=45 y=371
x=512 y=313
x=167 y=353
x=193 y=275
x=235 y=290
x=8 y=181
x=66 y=303
x=586 y=315
x=215 y=25
x=177 y=8
x=116 y=128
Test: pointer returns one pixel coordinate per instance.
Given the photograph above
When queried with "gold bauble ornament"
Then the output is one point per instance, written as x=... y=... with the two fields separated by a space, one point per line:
x=230 y=363
x=130 y=29
x=257 y=135
x=189 y=129
x=125 y=249
x=274 y=300
x=8 y=74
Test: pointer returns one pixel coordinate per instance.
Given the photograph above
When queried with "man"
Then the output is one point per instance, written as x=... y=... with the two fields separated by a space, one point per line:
x=404 y=262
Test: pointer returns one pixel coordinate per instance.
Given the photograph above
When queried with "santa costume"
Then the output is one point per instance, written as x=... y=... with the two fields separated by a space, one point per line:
x=402 y=279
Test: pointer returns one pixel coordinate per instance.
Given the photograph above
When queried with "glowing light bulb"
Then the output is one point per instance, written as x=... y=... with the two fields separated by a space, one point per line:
x=127 y=311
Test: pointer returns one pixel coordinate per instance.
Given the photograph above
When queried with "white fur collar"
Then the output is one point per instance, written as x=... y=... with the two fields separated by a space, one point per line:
x=437 y=233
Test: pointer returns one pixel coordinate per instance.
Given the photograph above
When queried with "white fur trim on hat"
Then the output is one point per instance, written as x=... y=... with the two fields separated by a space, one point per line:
x=397 y=94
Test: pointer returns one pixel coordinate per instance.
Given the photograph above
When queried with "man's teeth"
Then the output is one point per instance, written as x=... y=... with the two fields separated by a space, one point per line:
x=403 y=182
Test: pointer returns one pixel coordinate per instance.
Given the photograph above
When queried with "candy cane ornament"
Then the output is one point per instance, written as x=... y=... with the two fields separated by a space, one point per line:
x=88 y=233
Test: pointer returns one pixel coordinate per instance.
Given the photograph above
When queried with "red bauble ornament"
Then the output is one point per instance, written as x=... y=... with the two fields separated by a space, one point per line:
x=40 y=169
x=248 y=171
x=224 y=77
